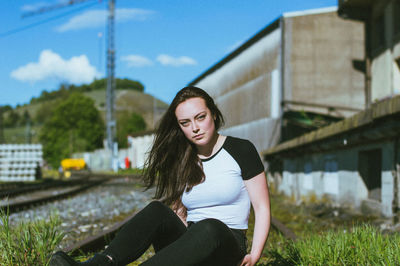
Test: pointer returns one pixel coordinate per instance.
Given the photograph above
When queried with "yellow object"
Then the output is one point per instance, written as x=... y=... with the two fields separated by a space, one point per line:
x=73 y=164
x=67 y=174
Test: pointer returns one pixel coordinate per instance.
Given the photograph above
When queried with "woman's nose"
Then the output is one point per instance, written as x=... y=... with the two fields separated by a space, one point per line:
x=195 y=127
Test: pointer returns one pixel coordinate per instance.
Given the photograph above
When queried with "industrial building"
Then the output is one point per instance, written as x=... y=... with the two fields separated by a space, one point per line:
x=355 y=161
x=303 y=64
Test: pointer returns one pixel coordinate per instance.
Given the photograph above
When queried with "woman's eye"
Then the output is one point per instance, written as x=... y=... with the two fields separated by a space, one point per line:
x=184 y=124
x=202 y=117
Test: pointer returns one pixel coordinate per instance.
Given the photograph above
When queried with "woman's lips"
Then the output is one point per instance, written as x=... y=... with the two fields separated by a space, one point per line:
x=199 y=136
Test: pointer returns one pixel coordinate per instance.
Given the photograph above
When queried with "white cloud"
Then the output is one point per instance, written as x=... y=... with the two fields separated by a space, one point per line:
x=51 y=65
x=168 y=60
x=98 y=18
x=136 y=61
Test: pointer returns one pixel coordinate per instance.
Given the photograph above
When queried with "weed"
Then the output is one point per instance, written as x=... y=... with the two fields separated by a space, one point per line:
x=364 y=245
x=30 y=242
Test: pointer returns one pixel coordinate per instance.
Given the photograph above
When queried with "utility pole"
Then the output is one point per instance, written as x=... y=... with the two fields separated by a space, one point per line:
x=110 y=91
x=112 y=145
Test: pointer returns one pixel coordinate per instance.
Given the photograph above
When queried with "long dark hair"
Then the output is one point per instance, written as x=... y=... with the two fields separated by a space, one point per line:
x=173 y=164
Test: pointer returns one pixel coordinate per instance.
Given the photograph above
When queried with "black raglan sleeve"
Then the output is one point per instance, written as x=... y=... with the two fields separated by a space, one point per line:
x=246 y=155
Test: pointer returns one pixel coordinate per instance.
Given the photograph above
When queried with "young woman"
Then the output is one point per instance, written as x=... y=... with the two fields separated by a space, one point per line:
x=208 y=180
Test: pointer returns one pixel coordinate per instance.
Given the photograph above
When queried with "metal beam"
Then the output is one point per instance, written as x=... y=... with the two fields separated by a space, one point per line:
x=110 y=91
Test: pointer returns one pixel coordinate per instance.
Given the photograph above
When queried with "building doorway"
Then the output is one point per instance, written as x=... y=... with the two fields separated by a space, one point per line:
x=370 y=170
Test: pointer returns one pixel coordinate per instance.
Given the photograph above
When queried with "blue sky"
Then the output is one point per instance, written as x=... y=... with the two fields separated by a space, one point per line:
x=163 y=44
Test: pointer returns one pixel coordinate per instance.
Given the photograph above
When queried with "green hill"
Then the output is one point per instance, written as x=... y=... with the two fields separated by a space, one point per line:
x=126 y=101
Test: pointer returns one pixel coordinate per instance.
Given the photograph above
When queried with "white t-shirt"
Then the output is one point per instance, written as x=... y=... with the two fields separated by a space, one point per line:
x=223 y=194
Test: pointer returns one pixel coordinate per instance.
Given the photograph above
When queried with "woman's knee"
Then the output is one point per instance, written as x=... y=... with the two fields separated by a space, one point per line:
x=162 y=213
x=157 y=206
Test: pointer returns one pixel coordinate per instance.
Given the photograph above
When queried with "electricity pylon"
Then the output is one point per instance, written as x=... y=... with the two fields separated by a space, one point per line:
x=111 y=124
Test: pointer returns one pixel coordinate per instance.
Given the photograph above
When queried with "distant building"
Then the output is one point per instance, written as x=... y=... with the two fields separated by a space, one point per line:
x=298 y=71
x=355 y=161
x=139 y=145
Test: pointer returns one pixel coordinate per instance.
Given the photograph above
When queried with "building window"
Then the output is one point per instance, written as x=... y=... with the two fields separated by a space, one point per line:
x=396 y=18
x=378 y=32
x=370 y=170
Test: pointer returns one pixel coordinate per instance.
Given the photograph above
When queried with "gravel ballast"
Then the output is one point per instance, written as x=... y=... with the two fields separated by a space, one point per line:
x=92 y=211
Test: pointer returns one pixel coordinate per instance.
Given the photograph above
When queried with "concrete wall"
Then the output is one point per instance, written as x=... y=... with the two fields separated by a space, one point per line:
x=336 y=175
x=247 y=91
x=138 y=149
x=100 y=160
x=319 y=50
x=385 y=71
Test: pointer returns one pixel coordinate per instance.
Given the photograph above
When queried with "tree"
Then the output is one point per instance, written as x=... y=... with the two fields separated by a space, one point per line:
x=25 y=118
x=1 y=124
x=74 y=126
x=127 y=84
x=128 y=123
x=120 y=84
x=65 y=89
x=45 y=111
x=12 y=119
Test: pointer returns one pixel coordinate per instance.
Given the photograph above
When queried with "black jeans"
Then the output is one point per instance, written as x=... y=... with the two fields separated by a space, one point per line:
x=207 y=242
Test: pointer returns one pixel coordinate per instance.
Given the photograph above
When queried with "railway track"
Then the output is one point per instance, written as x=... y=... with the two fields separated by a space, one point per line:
x=15 y=206
x=35 y=194
x=9 y=191
x=38 y=193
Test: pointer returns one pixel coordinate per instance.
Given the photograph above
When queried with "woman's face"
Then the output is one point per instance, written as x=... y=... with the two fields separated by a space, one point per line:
x=196 y=121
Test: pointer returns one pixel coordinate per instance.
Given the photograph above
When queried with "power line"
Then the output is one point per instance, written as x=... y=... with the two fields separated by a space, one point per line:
x=53 y=7
x=10 y=32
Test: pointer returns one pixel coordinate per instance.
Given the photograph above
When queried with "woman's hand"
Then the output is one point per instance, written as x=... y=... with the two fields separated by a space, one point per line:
x=248 y=261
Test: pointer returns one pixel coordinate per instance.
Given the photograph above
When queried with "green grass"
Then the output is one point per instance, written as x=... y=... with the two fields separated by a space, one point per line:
x=30 y=242
x=362 y=245
x=130 y=171
x=323 y=238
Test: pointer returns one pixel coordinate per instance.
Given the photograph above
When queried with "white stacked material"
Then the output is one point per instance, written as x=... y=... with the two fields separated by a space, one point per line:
x=19 y=162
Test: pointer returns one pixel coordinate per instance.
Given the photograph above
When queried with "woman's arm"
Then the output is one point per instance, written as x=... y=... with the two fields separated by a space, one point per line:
x=259 y=196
